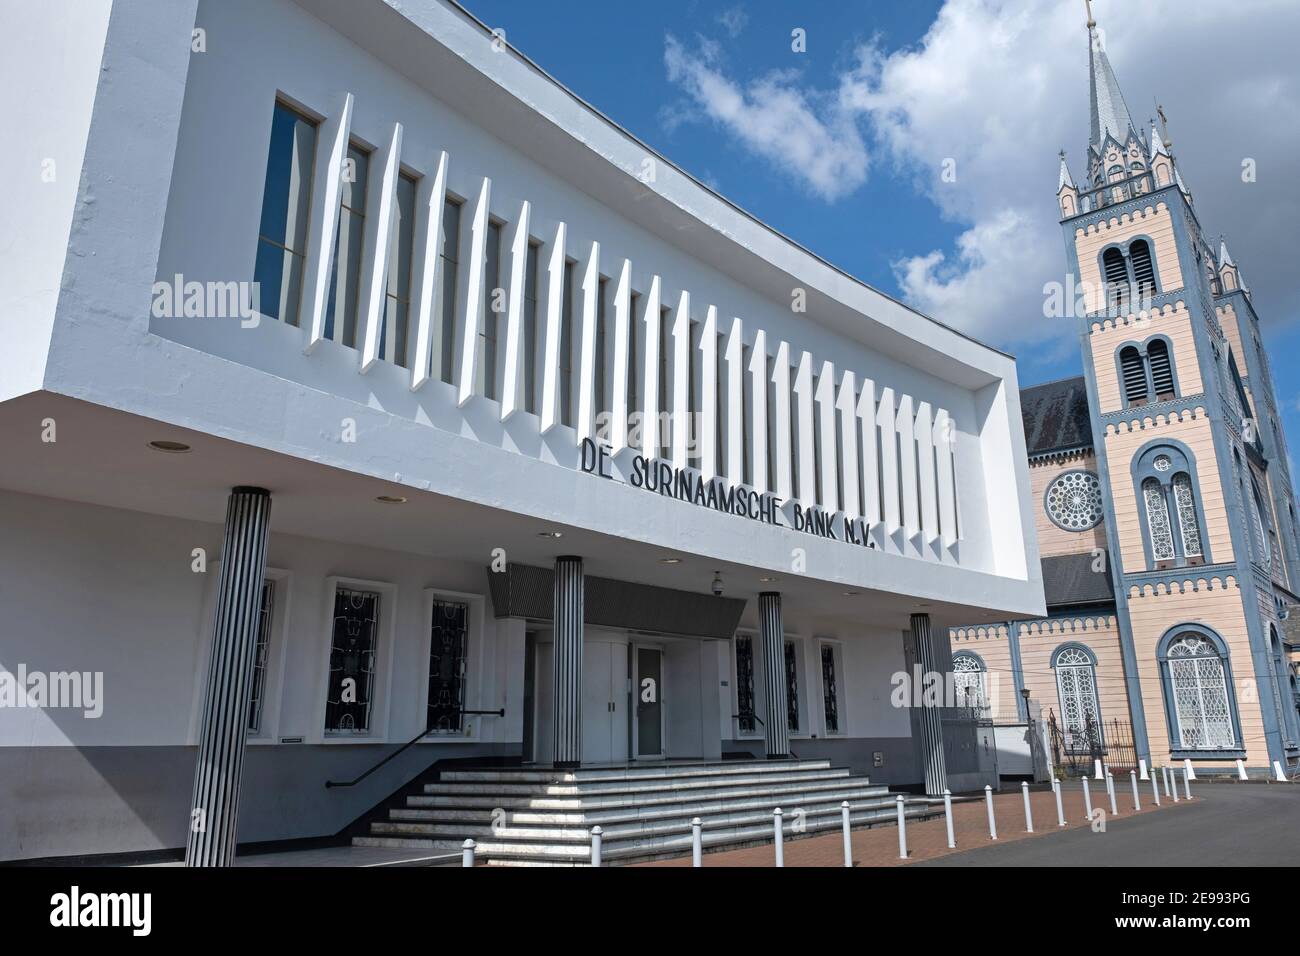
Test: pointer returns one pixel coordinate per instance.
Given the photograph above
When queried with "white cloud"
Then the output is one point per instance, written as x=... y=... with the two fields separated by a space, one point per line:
x=998 y=86
x=733 y=20
x=802 y=132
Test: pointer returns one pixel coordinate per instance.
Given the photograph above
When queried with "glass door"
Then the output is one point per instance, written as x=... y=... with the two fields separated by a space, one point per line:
x=648 y=689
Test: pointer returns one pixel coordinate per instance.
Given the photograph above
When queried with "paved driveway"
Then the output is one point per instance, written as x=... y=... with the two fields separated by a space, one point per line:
x=1226 y=825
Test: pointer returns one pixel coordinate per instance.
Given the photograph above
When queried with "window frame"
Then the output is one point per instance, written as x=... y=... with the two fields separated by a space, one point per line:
x=476 y=661
x=1173 y=728
x=384 y=644
x=1058 y=667
x=1182 y=461
x=1142 y=347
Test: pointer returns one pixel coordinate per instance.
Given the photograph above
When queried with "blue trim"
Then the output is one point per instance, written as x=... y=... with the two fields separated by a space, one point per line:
x=1072 y=645
x=1167 y=684
x=1140 y=469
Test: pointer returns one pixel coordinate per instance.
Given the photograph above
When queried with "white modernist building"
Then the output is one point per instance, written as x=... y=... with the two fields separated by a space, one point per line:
x=361 y=382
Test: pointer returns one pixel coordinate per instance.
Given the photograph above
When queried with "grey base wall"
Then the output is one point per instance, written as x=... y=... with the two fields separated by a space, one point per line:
x=899 y=768
x=68 y=801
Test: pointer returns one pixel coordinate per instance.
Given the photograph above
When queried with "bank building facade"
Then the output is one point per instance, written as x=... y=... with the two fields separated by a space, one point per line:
x=391 y=436
x=1164 y=503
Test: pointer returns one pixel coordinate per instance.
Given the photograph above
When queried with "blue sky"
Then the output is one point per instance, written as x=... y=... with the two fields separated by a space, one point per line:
x=841 y=147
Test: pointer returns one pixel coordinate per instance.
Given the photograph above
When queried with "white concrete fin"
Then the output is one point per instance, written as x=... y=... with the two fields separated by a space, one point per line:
x=888 y=460
x=512 y=388
x=622 y=323
x=944 y=441
x=866 y=413
x=758 y=412
x=327 y=190
x=926 y=476
x=734 y=402
x=650 y=388
x=377 y=249
x=474 y=317
x=846 y=403
x=803 y=390
x=431 y=198
x=681 y=426
x=709 y=395
x=907 y=466
x=587 y=398
x=552 y=332
x=827 y=439
x=781 y=458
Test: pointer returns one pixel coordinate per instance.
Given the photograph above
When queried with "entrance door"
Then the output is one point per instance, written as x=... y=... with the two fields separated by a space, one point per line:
x=647 y=688
x=604 y=701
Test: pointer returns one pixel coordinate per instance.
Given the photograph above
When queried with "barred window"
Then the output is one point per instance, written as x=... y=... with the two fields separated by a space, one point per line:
x=1076 y=686
x=353 y=646
x=1200 y=695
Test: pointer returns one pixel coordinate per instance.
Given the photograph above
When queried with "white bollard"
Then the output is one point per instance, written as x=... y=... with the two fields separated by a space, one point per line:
x=1173 y=776
x=947 y=815
x=1155 y=789
x=779 y=845
x=1029 y=813
x=988 y=800
x=1164 y=772
x=1142 y=769
x=902 y=828
x=1137 y=800
x=697 y=842
x=1097 y=768
x=1060 y=810
x=1087 y=799
x=1110 y=792
x=595 y=845
x=848 y=842
x=1187 y=785
x=1279 y=775
x=1241 y=770
x=467 y=853
x=1188 y=768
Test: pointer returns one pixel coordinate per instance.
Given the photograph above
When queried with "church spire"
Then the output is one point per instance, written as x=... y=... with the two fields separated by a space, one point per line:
x=1110 y=115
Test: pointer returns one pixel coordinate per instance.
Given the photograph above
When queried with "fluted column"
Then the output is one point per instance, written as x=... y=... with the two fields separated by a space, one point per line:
x=214 y=809
x=568 y=661
x=936 y=776
x=776 y=732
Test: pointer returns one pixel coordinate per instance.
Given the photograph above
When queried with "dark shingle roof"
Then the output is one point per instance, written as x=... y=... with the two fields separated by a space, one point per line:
x=1069 y=579
x=1056 y=416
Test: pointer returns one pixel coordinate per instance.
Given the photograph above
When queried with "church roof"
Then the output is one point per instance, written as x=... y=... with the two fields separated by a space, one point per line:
x=1056 y=416
x=1110 y=116
x=1070 y=580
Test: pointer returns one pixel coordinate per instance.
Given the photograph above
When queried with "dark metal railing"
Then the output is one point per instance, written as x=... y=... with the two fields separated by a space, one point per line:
x=330 y=784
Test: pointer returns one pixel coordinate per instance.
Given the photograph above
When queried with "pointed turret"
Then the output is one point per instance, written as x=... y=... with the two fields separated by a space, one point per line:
x=1229 y=274
x=1110 y=115
x=1067 y=194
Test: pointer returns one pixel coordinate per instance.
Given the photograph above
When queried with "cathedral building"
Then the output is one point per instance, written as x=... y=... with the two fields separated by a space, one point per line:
x=1165 y=508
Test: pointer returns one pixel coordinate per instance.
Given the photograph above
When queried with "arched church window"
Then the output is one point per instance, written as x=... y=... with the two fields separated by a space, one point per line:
x=969 y=681
x=1115 y=271
x=1133 y=375
x=1162 y=372
x=1144 y=273
x=1162 y=539
x=1076 y=687
x=1147 y=372
x=1257 y=513
x=1171 y=515
x=1188 y=520
x=1073 y=501
x=1197 y=686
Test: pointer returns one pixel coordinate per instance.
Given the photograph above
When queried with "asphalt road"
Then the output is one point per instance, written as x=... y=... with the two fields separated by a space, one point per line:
x=1225 y=825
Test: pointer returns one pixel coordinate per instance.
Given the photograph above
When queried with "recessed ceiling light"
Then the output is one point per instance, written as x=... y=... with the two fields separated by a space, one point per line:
x=171 y=447
x=550 y=534
x=391 y=499
x=767 y=580
x=852 y=593
x=670 y=560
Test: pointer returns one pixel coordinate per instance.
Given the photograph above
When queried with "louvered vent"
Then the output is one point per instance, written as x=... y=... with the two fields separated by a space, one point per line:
x=1134 y=377
x=1116 y=278
x=1144 y=273
x=1162 y=373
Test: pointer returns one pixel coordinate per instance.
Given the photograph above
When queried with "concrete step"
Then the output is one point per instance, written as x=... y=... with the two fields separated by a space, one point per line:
x=635 y=830
x=688 y=807
x=631 y=784
x=544 y=775
x=586 y=794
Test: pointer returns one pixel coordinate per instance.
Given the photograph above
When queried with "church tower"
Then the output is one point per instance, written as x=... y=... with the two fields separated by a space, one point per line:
x=1202 y=533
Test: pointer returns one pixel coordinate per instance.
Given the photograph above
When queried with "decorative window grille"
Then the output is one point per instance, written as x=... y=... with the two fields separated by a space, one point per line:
x=1200 y=693
x=791 y=687
x=745 y=683
x=1144 y=273
x=1162 y=539
x=1134 y=375
x=1076 y=685
x=1188 y=522
x=352 y=661
x=969 y=682
x=448 y=656
x=1162 y=372
x=264 y=616
x=830 y=690
x=1073 y=501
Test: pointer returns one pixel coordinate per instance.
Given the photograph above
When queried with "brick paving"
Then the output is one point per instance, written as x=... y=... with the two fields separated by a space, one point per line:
x=878 y=846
